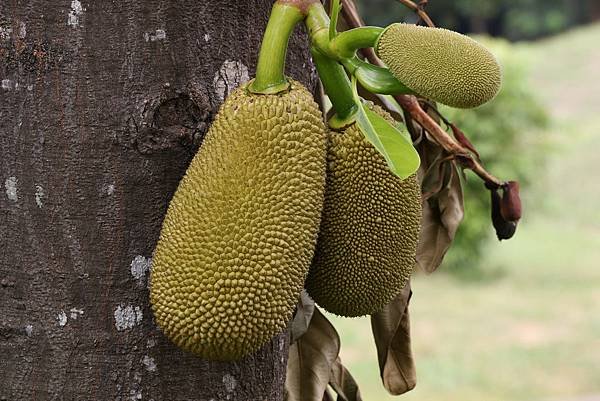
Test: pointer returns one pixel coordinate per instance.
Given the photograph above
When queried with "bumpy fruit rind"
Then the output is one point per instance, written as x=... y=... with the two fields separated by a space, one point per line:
x=240 y=231
x=442 y=65
x=369 y=229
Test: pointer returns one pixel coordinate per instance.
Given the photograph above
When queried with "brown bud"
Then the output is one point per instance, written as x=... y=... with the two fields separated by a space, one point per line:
x=504 y=229
x=510 y=205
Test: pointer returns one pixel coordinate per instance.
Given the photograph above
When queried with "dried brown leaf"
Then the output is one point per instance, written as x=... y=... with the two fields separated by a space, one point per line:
x=303 y=316
x=342 y=382
x=311 y=359
x=443 y=208
x=327 y=396
x=391 y=331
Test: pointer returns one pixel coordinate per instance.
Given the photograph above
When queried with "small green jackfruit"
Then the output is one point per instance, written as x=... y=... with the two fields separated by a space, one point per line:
x=240 y=231
x=442 y=65
x=369 y=229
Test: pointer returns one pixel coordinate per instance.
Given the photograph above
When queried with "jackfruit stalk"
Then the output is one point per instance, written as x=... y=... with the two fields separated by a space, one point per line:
x=369 y=230
x=240 y=231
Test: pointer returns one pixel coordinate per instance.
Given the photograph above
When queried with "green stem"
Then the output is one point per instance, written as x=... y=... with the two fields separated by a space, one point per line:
x=346 y=43
x=334 y=14
x=270 y=70
x=338 y=88
x=317 y=22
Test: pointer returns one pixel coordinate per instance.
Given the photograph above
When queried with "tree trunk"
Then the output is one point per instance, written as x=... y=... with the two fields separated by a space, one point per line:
x=102 y=106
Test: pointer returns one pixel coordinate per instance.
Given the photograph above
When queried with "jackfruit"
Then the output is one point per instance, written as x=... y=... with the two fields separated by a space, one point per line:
x=369 y=229
x=439 y=64
x=240 y=231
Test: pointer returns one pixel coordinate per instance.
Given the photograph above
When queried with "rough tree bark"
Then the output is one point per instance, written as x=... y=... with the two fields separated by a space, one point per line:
x=102 y=106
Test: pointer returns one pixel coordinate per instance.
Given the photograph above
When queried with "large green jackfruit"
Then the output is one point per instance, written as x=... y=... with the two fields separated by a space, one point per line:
x=240 y=231
x=369 y=229
x=442 y=65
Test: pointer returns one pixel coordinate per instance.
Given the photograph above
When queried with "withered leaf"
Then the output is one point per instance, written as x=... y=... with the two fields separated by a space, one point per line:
x=311 y=359
x=342 y=382
x=303 y=316
x=391 y=331
x=327 y=396
x=443 y=210
x=442 y=197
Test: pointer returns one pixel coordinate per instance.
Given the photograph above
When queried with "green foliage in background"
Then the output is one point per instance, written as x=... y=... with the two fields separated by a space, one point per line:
x=531 y=333
x=508 y=134
x=515 y=20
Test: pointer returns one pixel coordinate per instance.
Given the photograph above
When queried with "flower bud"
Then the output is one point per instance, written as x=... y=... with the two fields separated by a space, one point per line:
x=504 y=229
x=510 y=205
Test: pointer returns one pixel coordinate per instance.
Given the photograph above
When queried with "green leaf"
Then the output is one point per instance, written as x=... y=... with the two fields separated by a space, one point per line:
x=335 y=12
x=398 y=151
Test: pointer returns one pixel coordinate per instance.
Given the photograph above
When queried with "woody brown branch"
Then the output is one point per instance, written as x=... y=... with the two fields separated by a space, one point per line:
x=461 y=155
x=418 y=9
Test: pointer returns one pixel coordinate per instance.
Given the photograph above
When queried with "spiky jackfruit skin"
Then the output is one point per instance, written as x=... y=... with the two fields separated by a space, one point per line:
x=240 y=231
x=442 y=65
x=369 y=229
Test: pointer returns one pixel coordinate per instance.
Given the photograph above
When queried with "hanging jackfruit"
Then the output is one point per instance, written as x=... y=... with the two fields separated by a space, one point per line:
x=240 y=231
x=442 y=65
x=369 y=229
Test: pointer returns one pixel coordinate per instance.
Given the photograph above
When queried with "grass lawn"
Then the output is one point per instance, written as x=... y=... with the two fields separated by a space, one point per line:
x=529 y=329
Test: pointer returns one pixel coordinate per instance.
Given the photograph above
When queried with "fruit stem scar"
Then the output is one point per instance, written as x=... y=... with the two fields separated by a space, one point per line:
x=270 y=78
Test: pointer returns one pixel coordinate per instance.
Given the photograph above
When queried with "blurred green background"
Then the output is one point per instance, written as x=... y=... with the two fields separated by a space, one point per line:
x=520 y=319
x=515 y=20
